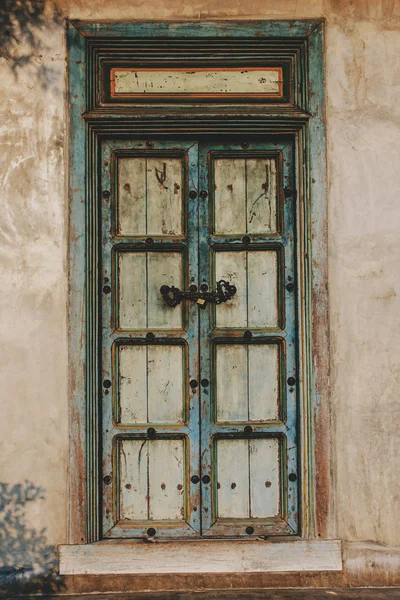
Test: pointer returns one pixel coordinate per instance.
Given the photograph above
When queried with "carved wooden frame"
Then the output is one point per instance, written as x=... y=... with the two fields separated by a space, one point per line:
x=90 y=122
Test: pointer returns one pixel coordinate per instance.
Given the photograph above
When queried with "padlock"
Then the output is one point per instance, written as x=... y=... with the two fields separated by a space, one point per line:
x=201 y=302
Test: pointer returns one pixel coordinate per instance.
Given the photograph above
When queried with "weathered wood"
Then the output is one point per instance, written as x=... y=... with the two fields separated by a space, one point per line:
x=264 y=477
x=232 y=384
x=261 y=81
x=231 y=266
x=164 y=180
x=133 y=465
x=263 y=381
x=132 y=277
x=163 y=268
x=201 y=557
x=261 y=195
x=165 y=384
x=131 y=199
x=132 y=381
x=262 y=292
x=166 y=478
x=233 y=479
x=229 y=196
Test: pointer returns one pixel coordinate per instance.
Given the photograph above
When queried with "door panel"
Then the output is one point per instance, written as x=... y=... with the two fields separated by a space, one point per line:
x=140 y=305
x=255 y=274
x=151 y=383
x=248 y=378
x=199 y=401
x=150 y=412
x=150 y=196
x=248 y=479
x=248 y=345
x=152 y=480
x=245 y=195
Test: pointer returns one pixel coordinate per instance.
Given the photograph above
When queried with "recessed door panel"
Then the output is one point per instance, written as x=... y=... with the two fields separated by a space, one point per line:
x=245 y=196
x=255 y=275
x=248 y=381
x=248 y=478
x=140 y=305
x=151 y=383
x=152 y=480
x=150 y=193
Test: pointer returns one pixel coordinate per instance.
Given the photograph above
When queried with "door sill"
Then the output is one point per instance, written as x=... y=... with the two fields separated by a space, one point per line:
x=139 y=557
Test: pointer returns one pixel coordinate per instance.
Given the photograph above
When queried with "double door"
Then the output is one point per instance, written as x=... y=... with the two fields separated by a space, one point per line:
x=199 y=400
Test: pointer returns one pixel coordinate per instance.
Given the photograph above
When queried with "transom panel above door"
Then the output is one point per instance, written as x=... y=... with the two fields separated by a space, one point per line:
x=199 y=384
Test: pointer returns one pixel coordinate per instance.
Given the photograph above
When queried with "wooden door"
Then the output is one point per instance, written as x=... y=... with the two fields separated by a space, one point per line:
x=198 y=403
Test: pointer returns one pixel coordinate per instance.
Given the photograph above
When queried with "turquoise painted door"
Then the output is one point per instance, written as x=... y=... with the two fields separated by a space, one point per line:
x=199 y=405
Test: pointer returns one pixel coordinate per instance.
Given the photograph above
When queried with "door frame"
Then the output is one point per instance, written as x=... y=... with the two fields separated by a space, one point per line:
x=305 y=121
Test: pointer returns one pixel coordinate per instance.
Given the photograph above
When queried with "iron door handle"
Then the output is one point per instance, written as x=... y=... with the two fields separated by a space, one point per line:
x=174 y=296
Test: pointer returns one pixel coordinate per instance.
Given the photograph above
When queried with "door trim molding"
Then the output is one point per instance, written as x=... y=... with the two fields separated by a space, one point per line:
x=88 y=126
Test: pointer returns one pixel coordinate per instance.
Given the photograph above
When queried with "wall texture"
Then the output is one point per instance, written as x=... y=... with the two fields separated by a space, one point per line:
x=363 y=123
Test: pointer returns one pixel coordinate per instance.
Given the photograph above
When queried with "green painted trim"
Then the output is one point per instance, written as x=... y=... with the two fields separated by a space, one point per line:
x=86 y=132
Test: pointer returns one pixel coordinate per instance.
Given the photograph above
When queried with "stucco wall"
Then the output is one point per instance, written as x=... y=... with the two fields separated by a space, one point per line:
x=363 y=124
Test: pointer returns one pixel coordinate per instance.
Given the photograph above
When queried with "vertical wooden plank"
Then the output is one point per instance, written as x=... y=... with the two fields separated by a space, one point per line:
x=133 y=463
x=232 y=267
x=264 y=477
x=131 y=196
x=166 y=479
x=262 y=289
x=132 y=384
x=261 y=195
x=229 y=196
x=163 y=268
x=165 y=384
x=263 y=381
x=132 y=290
x=231 y=372
x=233 y=478
x=164 y=196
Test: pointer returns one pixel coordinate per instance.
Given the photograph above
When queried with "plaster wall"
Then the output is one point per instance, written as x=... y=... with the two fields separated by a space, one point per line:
x=363 y=126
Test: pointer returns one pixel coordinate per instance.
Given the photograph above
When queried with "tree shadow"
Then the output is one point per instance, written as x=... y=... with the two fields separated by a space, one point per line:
x=28 y=564
x=23 y=25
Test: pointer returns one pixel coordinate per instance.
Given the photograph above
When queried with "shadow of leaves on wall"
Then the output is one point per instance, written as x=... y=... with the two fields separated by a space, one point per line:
x=28 y=563
x=23 y=27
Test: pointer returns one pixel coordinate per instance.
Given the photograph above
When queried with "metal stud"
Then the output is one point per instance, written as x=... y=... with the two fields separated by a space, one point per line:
x=193 y=194
x=247 y=335
x=193 y=383
x=246 y=239
x=106 y=289
x=107 y=383
x=248 y=429
x=249 y=530
x=206 y=479
x=107 y=479
x=151 y=432
x=150 y=336
x=291 y=381
x=292 y=477
x=195 y=479
x=205 y=382
x=106 y=194
x=203 y=194
x=151 y=532
x=290 y=287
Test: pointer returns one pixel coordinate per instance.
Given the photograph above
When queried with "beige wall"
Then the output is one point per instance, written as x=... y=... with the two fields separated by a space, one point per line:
x=363 y=122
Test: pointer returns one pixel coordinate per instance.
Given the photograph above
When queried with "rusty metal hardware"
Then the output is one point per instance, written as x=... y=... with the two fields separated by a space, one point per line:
x=195 y=479
x=247 y=335
x=107 y=383
x=151 y=532
x=249 y=530
x=174 y=296
x=107 y=479
x=206 y=479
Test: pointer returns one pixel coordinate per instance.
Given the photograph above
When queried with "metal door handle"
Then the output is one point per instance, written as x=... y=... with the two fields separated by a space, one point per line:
x=174 y=296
